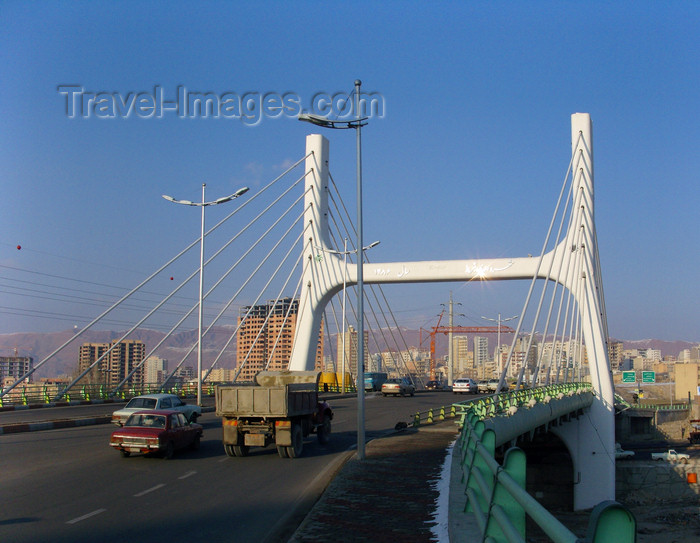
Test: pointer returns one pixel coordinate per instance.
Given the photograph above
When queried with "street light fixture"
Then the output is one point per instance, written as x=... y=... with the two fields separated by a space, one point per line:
x=203 y=204
x=357 y=125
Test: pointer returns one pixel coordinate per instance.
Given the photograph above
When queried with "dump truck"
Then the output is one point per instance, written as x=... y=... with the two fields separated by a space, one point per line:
x=694 y=436
x=282 y=407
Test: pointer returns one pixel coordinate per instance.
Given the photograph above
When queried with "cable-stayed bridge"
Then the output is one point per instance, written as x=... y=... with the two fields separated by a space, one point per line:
x=291 y=242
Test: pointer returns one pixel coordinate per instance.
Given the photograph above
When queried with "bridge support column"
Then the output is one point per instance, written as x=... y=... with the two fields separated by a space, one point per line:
x=322 y=271
x=591 y=440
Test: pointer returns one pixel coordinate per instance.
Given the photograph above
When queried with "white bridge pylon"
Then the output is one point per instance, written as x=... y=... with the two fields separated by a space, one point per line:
x=591 y=444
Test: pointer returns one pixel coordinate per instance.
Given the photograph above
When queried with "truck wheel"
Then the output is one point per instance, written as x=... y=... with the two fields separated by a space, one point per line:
x=229 y=450
x=324 y=430
x=297 y=442
x=240 y=450
x=282 y=451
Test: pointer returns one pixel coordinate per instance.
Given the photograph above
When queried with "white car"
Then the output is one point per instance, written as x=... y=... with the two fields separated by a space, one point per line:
x=621 y=454
x=464 y=385
x=156 y=401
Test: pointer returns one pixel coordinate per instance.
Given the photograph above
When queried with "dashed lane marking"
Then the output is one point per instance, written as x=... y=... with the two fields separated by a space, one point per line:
x=78 y=519
x=148 y=490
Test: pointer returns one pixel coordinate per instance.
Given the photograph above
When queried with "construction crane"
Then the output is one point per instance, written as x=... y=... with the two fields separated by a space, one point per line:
x=437 y=329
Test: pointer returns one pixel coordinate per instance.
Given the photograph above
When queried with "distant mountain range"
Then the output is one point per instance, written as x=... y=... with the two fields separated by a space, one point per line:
x=40 y=345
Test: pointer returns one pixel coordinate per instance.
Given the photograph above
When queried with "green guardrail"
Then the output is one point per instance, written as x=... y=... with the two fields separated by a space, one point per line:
x=47 y=394
x=496 y=495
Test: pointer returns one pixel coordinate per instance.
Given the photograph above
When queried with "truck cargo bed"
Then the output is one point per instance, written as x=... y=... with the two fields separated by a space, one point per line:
x=266 y=401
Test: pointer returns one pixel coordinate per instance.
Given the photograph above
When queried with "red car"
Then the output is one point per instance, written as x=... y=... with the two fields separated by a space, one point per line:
x=162 y=431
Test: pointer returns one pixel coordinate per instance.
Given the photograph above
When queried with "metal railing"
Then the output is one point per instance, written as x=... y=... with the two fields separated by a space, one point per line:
x=46 y=394
x=431 y=416
x=496 y=495
x=680 y=406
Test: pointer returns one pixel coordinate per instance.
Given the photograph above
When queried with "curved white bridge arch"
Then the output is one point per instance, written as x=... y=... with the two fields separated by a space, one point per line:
x=591 y=439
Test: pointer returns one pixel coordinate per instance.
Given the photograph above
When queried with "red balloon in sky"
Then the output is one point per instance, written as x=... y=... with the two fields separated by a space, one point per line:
x=171 y=278
x=19 y=247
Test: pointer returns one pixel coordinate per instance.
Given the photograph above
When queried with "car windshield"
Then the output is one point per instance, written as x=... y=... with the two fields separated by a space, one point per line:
x=146 y=421
x=141 y=403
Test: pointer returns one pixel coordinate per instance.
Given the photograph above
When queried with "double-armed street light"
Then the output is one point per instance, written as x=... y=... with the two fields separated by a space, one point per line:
x=203 y=204
x=356 y=124
x=345 y=254
x=498 y=341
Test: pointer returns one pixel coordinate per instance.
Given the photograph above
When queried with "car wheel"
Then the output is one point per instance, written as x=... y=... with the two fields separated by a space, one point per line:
x=684 y=460
x=126 y=454
x=169 y=450
x=295 y=450
x=195 y=443
x=193 y=417
x=324 y=430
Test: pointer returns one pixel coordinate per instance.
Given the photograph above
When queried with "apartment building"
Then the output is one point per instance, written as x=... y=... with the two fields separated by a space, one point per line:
x=266 y=336
x=123 y=358
x=14 y=367
x=349 y=349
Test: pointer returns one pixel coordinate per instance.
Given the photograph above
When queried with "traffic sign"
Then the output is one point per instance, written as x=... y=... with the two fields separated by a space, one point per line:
x=628 y=376
x=648 y=377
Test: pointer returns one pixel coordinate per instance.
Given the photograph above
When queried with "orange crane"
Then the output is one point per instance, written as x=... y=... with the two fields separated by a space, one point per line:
x=437 y=329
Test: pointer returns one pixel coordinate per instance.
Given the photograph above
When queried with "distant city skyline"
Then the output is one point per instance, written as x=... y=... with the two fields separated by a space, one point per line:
x=462 y=159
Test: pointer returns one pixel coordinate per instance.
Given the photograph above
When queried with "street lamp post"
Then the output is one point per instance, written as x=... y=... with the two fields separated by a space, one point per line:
x=345 y=277
x=498 y=340
x=345 y=254
x=202 y=205
x=357 y=125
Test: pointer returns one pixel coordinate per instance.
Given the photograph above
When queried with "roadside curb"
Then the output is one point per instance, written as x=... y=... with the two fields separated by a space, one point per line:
x=21 y=427
x=53 y=425
x=56 y=404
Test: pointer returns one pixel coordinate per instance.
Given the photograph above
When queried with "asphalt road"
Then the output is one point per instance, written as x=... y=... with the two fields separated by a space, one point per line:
x=68 y=485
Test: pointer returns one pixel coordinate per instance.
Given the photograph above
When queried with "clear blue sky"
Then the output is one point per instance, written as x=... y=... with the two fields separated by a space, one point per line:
x=466 y=161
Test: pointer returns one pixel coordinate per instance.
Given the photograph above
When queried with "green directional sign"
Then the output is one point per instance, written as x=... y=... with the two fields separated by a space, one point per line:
x=628 y=376
x=648 y=377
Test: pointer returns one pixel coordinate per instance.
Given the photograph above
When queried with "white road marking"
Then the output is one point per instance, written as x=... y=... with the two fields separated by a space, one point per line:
x=188 y=474
x=153 y=488
x=78 y=519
